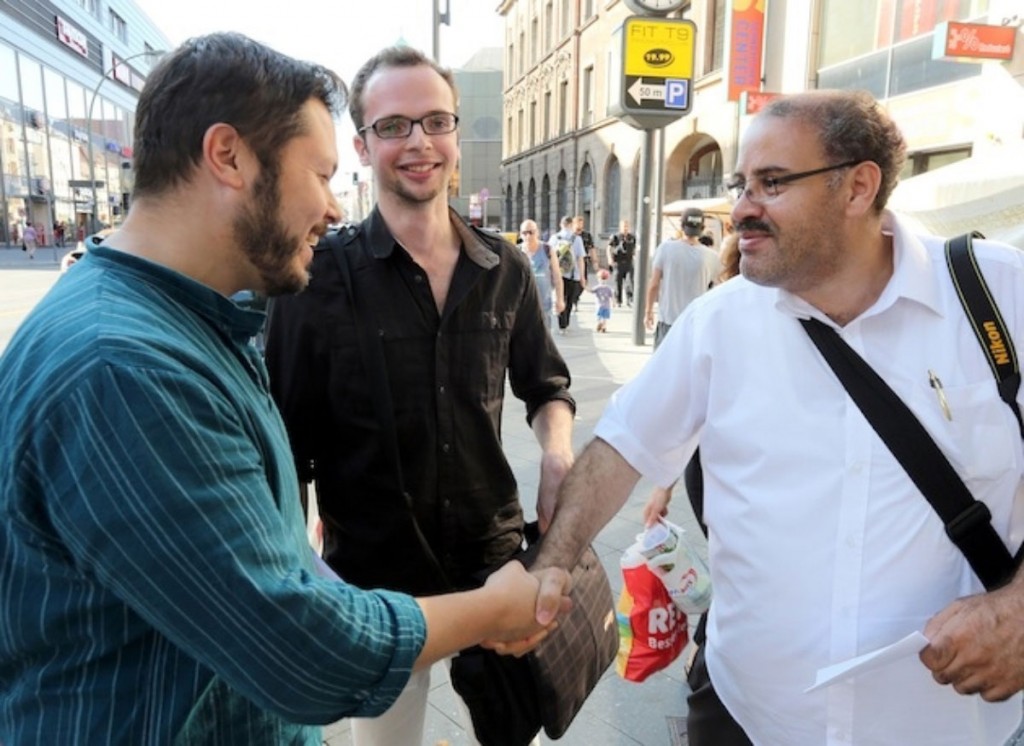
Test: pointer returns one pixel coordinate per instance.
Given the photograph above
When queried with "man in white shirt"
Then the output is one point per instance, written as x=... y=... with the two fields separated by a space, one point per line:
x=821 y=547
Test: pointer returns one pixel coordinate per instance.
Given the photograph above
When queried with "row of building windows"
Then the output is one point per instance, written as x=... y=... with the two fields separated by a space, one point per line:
x=533 y=122
x=115 y=22
x=51 y=130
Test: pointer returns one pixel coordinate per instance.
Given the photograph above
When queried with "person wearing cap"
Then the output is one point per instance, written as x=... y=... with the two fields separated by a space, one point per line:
x=683 y=270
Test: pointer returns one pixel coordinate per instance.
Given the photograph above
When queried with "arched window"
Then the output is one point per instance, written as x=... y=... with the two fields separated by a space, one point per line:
x=545 y=204
x=612 y=195
x=519 y=204
x=508 y=210
x=561 y=198
x=531 y=200
x=586 y=189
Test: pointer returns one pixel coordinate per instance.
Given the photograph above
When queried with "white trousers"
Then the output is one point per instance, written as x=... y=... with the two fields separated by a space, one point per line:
x=402 y=724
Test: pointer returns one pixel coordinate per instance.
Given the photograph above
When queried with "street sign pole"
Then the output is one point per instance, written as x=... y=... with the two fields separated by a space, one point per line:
x=644 y=238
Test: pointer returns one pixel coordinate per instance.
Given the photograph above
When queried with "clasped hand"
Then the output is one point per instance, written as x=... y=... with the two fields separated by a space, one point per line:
x=535 y=601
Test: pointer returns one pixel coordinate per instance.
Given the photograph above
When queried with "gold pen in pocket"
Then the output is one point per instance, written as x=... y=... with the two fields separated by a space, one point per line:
x=940 y=393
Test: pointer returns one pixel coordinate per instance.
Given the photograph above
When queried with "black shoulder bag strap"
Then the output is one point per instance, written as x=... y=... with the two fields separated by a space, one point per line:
x=372 y=353
x=968 y=521
x=985 y=318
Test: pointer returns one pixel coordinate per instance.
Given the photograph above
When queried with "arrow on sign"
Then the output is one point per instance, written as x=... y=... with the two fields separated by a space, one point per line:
x=641 y=91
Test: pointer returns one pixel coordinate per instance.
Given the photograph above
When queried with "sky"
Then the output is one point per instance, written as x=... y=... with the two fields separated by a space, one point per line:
x=339 y=34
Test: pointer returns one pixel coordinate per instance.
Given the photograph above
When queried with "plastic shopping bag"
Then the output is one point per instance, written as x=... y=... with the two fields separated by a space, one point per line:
x=652 y=629
x=665 y=579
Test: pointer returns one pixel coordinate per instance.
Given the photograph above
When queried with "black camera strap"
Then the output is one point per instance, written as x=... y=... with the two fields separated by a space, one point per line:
x=968 y=521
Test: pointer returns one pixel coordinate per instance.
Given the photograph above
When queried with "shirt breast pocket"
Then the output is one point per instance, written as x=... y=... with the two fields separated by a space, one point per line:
x=480 y=354
x=975 y=430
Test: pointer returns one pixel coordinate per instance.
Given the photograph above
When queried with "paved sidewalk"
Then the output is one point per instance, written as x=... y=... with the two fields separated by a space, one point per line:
x=46 y=257
x=618 y=713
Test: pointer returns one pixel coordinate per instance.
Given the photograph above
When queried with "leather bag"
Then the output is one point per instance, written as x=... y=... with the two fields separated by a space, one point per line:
x=510 y=699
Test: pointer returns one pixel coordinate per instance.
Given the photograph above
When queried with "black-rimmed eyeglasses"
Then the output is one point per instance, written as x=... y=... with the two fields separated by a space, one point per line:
x=761 y=189
x=393 y=128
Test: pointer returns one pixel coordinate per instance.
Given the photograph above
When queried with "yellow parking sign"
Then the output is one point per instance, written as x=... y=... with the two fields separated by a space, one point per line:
x=655 y=71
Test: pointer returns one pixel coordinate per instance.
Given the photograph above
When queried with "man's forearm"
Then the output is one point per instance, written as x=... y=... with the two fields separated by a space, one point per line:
x=593 y=492
x=552 y=426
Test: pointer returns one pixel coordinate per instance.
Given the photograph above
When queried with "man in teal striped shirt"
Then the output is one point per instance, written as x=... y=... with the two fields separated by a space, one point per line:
x=155 y=581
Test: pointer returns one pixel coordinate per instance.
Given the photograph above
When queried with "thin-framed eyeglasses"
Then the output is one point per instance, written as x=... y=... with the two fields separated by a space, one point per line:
x=761 y=189
x=528 y=232
x=393 y=128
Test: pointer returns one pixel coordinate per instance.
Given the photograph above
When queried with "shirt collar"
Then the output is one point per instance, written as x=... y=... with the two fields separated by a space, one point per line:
x=382 y=244
x=912 y=279
x=237 y=323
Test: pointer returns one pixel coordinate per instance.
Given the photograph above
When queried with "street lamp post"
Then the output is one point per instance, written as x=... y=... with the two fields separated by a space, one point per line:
x=92 y=104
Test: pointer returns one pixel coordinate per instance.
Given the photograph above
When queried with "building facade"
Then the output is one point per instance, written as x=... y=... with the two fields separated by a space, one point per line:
x=480 y=82
x=70 y=74
x=565 y=153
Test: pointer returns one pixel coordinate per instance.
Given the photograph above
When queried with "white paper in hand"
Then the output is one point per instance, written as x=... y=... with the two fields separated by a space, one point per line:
x=912 y=644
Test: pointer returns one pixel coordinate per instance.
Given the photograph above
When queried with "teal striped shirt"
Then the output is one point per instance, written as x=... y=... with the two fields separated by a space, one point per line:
x=155 y=582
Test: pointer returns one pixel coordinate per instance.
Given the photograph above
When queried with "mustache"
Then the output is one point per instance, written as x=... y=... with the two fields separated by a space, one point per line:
x=753 y=226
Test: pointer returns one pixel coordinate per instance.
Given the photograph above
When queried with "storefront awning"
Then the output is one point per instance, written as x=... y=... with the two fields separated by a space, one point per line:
x=984 y=192
x=719 y=206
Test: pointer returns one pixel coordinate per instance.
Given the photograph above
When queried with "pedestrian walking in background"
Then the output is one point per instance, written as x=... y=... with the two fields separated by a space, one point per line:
x=621 y=252
x=591 y=264
x=30 y=240
x=822 y=547
x=157 y=583
x=390 y=370
x=603 y=296
x=684 y=269
x=572 y=259
x=545 y=270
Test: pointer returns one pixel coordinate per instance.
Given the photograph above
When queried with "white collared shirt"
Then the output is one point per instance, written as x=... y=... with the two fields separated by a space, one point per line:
x=821 y=548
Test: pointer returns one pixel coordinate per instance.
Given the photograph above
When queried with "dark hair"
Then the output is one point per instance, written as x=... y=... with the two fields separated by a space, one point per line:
x=397 y=56
x=229 y=78
x=851 y=127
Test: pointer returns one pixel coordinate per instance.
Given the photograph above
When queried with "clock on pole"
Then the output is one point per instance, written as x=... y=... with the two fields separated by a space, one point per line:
x=654 y=7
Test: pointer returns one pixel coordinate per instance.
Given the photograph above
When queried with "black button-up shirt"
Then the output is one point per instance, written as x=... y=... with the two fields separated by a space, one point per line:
x=445 y=376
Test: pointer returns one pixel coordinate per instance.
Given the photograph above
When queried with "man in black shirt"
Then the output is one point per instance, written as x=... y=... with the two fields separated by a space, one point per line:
x=621 y=250
x=390 y=369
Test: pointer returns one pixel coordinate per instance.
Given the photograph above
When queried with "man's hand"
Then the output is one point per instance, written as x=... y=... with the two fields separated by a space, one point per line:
x=649 y=320
x=656 y=506
x=550 y=602
x=977 y=644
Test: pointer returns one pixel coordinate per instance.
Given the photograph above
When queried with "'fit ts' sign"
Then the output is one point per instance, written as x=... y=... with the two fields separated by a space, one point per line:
x=655 y=83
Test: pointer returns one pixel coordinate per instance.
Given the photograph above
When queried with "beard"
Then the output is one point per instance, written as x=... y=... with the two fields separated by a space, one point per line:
x=265 y=241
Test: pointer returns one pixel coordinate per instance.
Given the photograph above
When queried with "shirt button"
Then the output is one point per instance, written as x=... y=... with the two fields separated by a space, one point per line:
x=440 y=389
x=419 y=278
x=446 y=448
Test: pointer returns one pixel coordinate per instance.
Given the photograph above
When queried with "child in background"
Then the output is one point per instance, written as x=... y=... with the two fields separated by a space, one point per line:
x=603 y=293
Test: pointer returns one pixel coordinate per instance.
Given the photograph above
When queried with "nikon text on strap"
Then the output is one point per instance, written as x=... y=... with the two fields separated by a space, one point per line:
x=985 y=318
